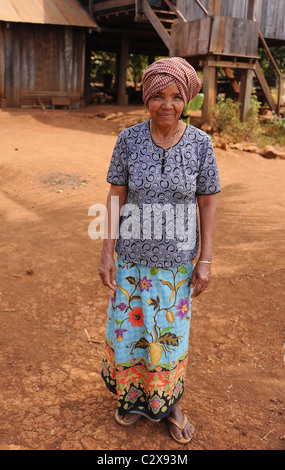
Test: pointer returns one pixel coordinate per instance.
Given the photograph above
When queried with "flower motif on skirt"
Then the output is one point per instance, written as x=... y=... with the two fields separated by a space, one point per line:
x=136 y=317
x=145 y=284
x=119 y=334
x=183 y=308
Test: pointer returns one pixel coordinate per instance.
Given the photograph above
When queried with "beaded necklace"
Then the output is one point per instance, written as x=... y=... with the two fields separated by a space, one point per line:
x=165 y=141
x=165 y=151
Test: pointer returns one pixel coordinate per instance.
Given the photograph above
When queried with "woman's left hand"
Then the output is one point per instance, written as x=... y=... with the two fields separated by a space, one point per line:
x=200 y=279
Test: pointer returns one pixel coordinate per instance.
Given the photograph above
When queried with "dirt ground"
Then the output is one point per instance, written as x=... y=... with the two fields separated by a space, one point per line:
x=52 y=169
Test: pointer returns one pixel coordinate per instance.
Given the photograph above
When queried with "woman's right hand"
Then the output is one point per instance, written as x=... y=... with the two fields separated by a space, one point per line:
x=107 y=268
x=107 y=271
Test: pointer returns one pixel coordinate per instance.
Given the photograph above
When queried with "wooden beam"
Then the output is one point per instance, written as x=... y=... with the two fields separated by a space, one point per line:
x=252 y=9
x=231 y=64
x=156 y=23
x=91 y=8
x=264 y=43
x=202 y=7
x=210 y=92
x=245 y=93
x=2 y=61
x=232 y=80
x=281 y=92
x=110 y=4
x=175 y=10
x=124 y=54
x=138 y=14
x=265 y=88
x=214 y=7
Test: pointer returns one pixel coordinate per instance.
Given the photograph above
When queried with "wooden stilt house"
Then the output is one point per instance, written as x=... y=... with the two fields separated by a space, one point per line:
x=42 y=52
x=211 y=34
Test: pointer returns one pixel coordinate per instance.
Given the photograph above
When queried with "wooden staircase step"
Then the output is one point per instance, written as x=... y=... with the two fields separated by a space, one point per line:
x=165 y=13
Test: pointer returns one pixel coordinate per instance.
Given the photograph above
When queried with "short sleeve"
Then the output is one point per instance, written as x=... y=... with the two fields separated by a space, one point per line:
x=208 y=181
x=118 y=169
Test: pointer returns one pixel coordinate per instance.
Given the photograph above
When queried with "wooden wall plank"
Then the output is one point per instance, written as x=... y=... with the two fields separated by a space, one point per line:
x=82 y=60
x=214 y=34
x=217 y=35
x=9 y=79
x=2 y=61
x=40 y=58
x=270 y=13
x=191 y=38
x=221 y=37
x=228 y=34
x=68 y=45
x=204 y=35
x=16 y=71
x=194 y=27
x=61 y=62
x=54 y=56
x=75 y=58
x=239 y=36
x=252 y=38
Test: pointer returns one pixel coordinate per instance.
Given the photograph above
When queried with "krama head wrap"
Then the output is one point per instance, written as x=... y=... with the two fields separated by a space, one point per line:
x=164 y=72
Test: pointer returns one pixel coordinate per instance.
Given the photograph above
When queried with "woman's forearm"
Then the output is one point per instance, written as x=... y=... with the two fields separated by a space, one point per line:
x=207 y=209
x=115 y=201
x=107 y=270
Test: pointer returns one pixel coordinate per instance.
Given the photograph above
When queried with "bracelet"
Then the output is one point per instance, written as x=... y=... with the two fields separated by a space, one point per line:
x=206 y=262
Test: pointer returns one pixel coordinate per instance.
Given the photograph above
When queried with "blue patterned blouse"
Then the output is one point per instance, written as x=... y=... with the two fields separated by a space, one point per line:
x=159 y=224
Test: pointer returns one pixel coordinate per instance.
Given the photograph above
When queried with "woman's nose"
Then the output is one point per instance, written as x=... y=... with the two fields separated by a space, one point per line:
x=167 y=103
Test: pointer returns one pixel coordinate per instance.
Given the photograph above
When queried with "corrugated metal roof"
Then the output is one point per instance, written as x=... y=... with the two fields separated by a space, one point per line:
x=59 y=12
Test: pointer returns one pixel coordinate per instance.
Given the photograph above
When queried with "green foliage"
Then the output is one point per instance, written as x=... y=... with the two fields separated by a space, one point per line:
x=225 y=118
x=101 y=63
x=105 y=62
x=137 y=64
x=193 y=105
x=278 y=53
x=272 y=132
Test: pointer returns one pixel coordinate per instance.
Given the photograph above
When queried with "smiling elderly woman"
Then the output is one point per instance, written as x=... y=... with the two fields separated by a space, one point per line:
x=162 y=168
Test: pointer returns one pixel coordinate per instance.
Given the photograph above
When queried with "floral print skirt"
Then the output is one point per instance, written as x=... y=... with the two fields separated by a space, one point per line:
x=147 y=337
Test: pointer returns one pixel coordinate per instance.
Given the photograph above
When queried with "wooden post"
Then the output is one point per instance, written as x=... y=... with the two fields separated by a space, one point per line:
x=2 y=62
x=214 y=7
x=253 y=10
x=245 y=93
x=210 y=92
x=91 y=8
x=281 y=92
x=122 y=99
x=138 y=14
x=87 y=72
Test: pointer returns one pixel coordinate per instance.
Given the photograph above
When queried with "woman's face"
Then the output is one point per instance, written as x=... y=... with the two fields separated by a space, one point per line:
x=166 y=106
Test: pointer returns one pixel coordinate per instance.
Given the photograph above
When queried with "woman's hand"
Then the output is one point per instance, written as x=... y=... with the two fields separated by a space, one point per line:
x=107 y=268
x=200 y=279
x=201 y=275
x=107 y=271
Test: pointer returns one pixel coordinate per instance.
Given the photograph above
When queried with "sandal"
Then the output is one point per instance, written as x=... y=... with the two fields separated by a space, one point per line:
x=120 y=420
x=182 y=440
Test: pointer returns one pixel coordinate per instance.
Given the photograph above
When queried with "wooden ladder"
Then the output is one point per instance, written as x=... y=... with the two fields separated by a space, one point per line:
x=161 y=20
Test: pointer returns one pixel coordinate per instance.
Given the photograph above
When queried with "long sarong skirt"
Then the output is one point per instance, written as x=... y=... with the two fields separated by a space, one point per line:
x=147 y=337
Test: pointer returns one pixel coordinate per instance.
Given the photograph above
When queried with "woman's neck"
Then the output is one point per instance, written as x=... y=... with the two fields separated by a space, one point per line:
x=167 y=136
